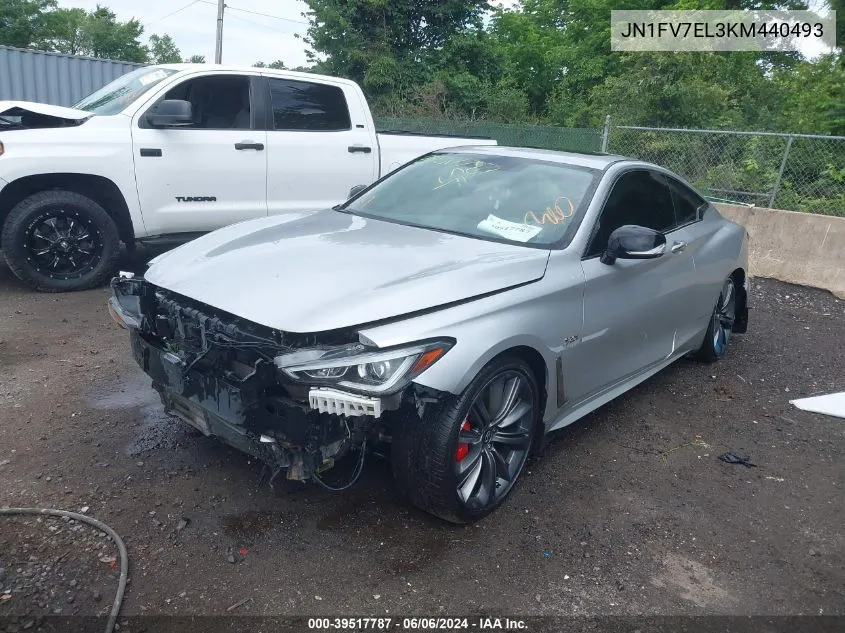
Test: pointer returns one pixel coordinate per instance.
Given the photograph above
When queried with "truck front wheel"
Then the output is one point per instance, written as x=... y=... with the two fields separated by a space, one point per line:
x=60 y=241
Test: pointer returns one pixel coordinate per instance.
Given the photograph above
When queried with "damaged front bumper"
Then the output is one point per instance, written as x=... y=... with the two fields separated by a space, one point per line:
x=224 y=377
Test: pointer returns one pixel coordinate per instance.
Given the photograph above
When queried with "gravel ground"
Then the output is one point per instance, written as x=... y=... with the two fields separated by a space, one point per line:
x=627 y=512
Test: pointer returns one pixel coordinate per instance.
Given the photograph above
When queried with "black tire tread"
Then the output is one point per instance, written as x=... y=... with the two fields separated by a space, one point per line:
x=421 y=466
x=16 y=259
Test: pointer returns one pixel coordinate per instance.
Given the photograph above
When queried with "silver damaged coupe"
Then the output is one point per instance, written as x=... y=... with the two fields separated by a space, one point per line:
x=459 y=310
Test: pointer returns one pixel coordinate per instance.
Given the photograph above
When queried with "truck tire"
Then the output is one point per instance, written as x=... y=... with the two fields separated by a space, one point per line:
x=430 y=462
x=60 y=241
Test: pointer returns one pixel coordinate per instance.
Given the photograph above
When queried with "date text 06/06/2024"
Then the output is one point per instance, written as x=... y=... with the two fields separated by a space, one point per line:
x=416 y=624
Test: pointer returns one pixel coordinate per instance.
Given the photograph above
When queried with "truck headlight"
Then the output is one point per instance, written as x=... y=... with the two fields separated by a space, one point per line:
x=361 y=368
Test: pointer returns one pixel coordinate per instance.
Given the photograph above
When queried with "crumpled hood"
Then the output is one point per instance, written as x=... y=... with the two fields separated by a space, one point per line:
x=16 y=108
x=312 y=272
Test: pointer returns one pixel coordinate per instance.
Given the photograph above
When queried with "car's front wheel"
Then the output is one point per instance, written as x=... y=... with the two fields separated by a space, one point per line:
x=60 y=241
x=461 y=461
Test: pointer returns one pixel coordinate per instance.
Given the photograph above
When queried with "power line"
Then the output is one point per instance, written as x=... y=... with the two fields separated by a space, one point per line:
x=187 y=6
x=253 y=22
x=265 y=15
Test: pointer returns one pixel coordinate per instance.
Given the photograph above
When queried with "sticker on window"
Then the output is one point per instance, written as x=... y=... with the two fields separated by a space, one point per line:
x=156 y=75
x=508 y=230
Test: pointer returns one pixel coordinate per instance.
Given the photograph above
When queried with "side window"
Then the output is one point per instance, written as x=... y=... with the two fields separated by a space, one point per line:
x=638 y=197
x=687 y=202
x=302 y=105
x=219 y=102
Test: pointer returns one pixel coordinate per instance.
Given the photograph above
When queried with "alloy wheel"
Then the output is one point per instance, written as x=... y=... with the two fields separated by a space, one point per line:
x=723 y=317
x=494 y=440
x=63 y=245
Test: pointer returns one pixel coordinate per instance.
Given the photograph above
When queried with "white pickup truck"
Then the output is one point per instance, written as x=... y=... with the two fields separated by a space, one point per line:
x=168 y=152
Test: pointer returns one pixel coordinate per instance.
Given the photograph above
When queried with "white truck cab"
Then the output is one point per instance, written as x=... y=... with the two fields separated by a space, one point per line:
x=168 y=152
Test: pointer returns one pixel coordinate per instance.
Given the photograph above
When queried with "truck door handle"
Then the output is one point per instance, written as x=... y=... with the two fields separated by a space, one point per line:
x=359 y=148
x=678 y=247
x=249 y=145
x=150 y=152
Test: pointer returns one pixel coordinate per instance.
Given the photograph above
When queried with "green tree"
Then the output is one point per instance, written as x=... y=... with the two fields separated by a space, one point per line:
x=195 y=59
x=39 y=24
x=278 y=65
x=111 y=39
x=163 y=50
x=839 y=7
x=812 y=97
x=66 y=32
x=399 y=36
x=23 y=22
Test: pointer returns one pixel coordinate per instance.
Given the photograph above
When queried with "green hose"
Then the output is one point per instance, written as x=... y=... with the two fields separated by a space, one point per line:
x=121 y=548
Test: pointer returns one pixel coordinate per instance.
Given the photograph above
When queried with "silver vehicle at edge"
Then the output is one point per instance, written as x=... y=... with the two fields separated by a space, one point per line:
x=459 y=309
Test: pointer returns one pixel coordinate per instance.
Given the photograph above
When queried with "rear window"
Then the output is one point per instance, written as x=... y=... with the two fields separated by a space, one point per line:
x=302 y=105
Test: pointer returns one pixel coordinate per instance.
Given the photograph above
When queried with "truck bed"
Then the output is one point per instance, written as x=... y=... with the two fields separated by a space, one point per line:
x=397 y=148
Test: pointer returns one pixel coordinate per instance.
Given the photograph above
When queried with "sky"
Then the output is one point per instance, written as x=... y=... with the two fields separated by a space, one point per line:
x=247 y=37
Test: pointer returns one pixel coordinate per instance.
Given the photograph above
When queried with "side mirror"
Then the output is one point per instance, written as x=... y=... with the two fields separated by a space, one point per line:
x=634 y=242
x=356 y=190
x=171 y=113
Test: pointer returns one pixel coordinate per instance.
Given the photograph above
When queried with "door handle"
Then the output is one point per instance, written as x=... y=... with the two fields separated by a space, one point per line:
x=150 y=152
x=359 y=148
x=249 y=145
x=678 y=247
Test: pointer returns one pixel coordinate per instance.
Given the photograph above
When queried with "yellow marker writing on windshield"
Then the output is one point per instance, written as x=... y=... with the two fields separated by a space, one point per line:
x=552 y=215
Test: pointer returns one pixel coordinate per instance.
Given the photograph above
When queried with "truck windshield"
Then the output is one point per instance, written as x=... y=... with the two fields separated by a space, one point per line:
x=485 y=196
x=116 y=96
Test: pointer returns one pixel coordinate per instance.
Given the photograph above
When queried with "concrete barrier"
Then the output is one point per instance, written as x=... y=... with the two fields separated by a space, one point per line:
x=800 y=248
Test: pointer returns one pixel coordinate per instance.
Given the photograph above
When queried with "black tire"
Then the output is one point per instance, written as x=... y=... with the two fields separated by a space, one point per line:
x=425 y=454
x=721 y=324
x=64 y=227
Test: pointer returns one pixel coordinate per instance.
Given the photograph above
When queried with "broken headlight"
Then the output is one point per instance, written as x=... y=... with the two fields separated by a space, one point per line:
x=361 y=368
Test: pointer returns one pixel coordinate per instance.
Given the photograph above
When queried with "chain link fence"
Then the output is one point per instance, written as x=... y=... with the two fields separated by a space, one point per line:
x=783 y=171
x=797 y=172
x=517 y=135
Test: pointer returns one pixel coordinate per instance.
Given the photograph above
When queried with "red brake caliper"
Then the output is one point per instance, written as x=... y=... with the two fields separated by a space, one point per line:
x=463 y=449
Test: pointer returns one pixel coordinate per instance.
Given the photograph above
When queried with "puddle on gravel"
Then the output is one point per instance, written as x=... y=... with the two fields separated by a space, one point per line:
x=156 y=429
x=405 y=540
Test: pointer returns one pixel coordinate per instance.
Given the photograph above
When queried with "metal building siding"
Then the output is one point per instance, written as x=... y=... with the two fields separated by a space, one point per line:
x=54 y=78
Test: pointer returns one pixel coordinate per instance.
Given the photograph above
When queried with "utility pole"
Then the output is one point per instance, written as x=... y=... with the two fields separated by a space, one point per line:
x=218 y=50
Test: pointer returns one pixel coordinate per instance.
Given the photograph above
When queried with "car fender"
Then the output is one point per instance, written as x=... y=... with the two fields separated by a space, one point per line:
x=540 y=316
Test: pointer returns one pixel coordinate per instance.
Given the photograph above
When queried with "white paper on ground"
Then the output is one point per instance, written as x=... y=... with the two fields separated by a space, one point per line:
x=831 y=404
x=509 y=230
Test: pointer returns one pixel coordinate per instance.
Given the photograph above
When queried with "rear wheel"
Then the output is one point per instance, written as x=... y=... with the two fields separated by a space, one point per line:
x=462 y=460
x=60 y=241
x=721 y=324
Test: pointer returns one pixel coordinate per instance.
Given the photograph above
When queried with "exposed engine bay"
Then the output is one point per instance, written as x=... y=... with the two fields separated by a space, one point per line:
x=226 y=377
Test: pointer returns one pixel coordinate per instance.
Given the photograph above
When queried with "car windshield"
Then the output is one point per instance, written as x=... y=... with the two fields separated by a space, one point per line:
x=116 y=96
x=503 y=198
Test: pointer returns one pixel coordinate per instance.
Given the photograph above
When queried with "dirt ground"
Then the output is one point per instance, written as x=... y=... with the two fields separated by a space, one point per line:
x=627 y=512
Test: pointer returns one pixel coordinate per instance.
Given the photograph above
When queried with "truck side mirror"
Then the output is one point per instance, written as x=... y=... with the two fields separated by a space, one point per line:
x=171 y=113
